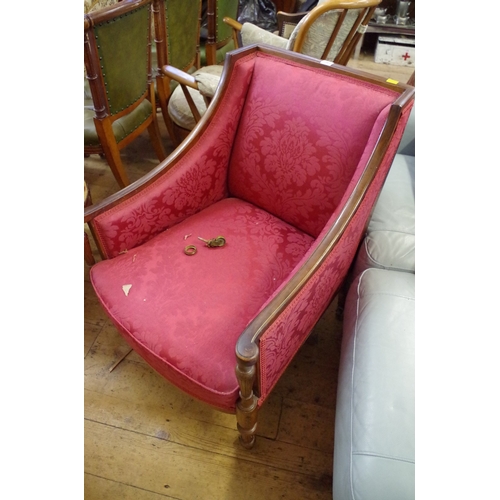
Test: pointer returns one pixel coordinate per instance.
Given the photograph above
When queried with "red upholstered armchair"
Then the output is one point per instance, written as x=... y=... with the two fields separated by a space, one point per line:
x=288 y=179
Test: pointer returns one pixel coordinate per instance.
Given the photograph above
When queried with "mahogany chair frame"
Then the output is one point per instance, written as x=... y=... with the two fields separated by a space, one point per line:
x=247 y=346
x=104 y=117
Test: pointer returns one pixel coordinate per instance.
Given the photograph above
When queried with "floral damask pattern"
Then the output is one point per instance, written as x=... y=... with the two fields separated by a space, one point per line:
x=197 y=180
x=281 y=341
x=187 y=327
x=298 y=166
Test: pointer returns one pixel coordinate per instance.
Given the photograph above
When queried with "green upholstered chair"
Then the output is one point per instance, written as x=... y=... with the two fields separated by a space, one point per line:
x=177 y=44
x=219 y=35
x=121 y=105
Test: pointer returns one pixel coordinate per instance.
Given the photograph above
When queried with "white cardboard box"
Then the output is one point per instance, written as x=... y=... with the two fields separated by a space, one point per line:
x=395 y=50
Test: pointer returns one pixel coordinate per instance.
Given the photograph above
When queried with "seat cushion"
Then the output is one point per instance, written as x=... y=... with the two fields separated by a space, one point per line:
x=183 y=314
x=374 y=451
x=122 y=127
x=390 y=238
x=178 y=108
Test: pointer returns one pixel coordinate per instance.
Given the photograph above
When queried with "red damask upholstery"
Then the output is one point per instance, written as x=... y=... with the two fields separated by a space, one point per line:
x=289 y=179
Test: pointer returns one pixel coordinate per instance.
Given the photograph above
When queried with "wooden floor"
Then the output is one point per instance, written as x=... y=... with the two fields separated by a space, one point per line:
x=146 y=440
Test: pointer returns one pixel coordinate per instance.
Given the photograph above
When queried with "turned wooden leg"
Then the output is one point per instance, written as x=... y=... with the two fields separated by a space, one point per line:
x=246 y=407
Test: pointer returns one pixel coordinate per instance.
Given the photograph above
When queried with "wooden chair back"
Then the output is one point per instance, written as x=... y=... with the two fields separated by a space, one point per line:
x=177 y=44
x=118 y=51
x=117 y=56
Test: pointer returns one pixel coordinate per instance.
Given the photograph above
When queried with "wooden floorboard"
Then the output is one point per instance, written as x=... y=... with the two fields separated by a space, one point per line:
x=146 y=440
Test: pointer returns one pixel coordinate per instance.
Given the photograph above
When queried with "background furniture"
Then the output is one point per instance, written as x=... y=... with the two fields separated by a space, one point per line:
x=291 y=227
x=177 y=42
x=87 y=250
x=219 y=38
x=177 y=28
x=374 y=451
x=117 y=48
x=330 y=31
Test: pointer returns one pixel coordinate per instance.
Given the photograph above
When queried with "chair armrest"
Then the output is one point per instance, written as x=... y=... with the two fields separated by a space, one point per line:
x=236 y=26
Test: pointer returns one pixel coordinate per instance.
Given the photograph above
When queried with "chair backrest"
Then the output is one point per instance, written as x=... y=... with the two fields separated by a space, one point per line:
x=220 y=35
x=295 y=153
x=252 y=112
x=177 y=33
x=118 y=56
x=332 y=29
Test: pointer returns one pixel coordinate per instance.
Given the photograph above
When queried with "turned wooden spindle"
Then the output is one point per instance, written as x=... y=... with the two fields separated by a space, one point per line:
x=246 y=406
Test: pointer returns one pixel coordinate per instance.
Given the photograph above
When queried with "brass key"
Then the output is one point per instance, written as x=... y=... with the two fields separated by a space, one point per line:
x=220 y=241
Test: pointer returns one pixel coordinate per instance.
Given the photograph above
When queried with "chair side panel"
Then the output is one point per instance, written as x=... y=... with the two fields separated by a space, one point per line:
x=283 y=339
x=195 y=181
x=296 y=151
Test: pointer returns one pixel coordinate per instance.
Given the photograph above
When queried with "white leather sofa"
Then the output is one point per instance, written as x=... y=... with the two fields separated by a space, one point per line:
x=374 y=450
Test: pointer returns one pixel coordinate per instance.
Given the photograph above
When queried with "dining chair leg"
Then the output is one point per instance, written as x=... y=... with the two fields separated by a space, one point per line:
x=163 y=96
x=155 y=136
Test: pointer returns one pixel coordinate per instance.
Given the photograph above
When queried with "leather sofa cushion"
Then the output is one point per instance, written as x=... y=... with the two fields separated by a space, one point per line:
x=374 y=455
x=390 y=238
